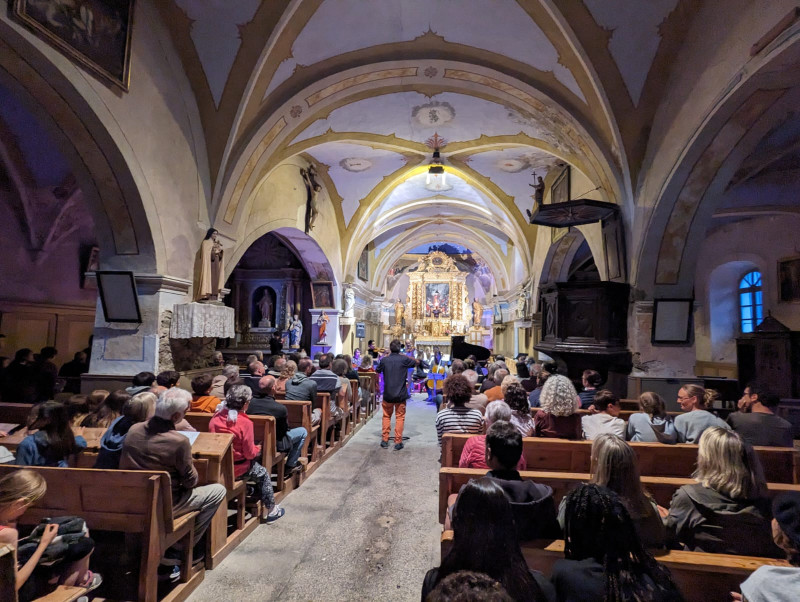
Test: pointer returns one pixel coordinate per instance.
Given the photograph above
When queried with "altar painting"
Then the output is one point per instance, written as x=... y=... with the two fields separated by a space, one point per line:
x=437 y=299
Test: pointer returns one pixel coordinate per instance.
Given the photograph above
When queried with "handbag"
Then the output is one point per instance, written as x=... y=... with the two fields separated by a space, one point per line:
x=71 y=543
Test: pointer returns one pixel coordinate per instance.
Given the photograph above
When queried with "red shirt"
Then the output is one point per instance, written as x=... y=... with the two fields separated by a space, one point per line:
x=244 y=447
x=474 y=454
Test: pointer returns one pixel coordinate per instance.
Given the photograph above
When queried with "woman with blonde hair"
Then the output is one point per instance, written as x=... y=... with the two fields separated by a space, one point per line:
x=287 y=372
x=694 y=401
x=18 y=491
x=615 y=466
x=651 y=423
x=557 y=417
x=727 y=510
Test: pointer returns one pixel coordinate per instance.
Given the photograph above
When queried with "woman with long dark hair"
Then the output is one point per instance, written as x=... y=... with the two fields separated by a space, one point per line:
x=53 y=441
x=603 y=557
x=485 y=541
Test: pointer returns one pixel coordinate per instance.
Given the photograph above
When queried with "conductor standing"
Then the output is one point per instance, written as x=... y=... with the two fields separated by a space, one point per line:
x=394 y=368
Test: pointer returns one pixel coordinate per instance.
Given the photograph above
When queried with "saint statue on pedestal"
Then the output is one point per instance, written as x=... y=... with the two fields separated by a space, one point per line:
x=477 y=312
x=210 y=275
x=265 y=307
x=349 y=303
x=399 y=310
x=295 y=332
x=322 y=323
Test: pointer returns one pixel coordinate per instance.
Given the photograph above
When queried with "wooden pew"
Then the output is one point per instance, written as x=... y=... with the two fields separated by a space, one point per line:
x=264 y=432
x=661 y=488
x=15 y=413
x=8 y=593
x=701 y=577
x=355 y=408
x=126 y=501
x=300 y=415
x=655 y=459
x=369 y=380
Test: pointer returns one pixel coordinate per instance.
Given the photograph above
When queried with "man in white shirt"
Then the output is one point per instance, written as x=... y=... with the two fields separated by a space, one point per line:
x=606 y=420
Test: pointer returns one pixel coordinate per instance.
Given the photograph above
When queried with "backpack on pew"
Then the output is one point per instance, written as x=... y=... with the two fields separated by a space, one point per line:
x=71 y=543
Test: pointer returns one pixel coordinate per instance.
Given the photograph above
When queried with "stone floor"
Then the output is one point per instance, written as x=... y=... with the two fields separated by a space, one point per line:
x=363 y=527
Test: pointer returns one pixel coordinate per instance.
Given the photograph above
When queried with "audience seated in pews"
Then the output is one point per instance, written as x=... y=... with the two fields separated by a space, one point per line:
x=110 y=409
x=203 y=400
x=19 y=379
x=615 y=466
x=72 y=371
x=603 y=556
x=45 y=372
x=485 y=541
x=590 y=380
x=517 y=399
x=352 y=373
x=690 y=426
x=477 y=401
x=94 y=400
x=141 y=382
x=474 y=453
x=232 y=419
x=327 y=381
x=557 y=418
x=534 y=397
x=777 y=583
x=302 y=388
x=218 y=382
x=727 y=511
x=255 y=370
x=756 y=421
x=275 y=365
x=289 y=441
x=53 y=442
x=137 y=409
x=651 y=423
x=77 y=408
x=288 y=370
x=366 y=364
x=489 y=382
x=156 y=445
x=527 y=381
x=39 y=574
x=456 y=367
x=606 y=420
x=458 y=418
x=496 y=393
x=168 y=379
x=468 y=586
x=340 y=368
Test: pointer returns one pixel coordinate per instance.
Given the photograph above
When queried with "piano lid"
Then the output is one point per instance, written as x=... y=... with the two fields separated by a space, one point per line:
x=461 y=349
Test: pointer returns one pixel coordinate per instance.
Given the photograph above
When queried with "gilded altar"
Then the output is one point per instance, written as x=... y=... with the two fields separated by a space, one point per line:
x=438 y=304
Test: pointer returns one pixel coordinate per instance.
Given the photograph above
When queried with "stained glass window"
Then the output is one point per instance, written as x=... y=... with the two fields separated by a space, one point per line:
x=751 y=307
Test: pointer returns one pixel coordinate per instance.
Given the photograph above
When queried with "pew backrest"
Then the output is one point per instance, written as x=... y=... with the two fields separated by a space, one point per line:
x=15 y=413
x=655 y=459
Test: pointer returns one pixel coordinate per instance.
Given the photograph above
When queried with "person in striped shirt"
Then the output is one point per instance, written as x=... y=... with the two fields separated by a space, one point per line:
x=457 y=418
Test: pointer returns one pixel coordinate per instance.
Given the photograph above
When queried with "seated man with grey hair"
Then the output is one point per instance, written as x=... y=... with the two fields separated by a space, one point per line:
x=156 y=445
x=230 y=371
x=478 y=401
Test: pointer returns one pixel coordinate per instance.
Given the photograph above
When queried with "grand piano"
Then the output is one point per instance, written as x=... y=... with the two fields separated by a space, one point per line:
x=459 y=349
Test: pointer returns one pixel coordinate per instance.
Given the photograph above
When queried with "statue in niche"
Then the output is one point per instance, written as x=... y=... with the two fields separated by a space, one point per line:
x=349 y=303
x=322 y=323
x=399 y=310
x=211 y=275
x=522 y=305
x=538 y=194
x=312 y=190
x=477 y=312
x=265 y=307
x=295 y=332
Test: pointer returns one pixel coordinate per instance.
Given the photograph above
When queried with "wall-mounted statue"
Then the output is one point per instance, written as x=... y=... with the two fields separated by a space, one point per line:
x=538 y=194
x=312 y=190
x=322 y=323
x=210 y=275
x=477 y=312
x=265 y=307
x=522 y=305
x=295 y=332
x=349 y=303
x=399 y=310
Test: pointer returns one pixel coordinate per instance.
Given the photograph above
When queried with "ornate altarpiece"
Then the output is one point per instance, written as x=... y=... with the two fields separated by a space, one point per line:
x=438 y=303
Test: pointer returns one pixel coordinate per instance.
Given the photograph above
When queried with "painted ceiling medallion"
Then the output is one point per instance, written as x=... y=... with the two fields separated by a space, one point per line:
x=512 y=165
x=355 y=164
x=433 y=113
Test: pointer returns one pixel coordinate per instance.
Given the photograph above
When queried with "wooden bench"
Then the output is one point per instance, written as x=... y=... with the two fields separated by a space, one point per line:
x=300 y=415
x=701 y=577
x=8 y=591
x=655 y=459
x=15 y=413
x=355 y=407
x=369 y=382
x=624 y=414
x=126 y=501
x=661 y=488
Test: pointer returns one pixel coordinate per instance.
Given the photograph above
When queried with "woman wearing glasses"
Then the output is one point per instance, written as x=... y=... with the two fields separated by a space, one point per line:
x=690 y=426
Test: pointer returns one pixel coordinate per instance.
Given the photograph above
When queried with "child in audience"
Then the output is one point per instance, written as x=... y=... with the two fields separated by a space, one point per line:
x=557 y=418
x=727 y=510
x=606 y=420
x=18 y=491
x=77 y=409
x=614 y=466
x=778 y=583
x=651 y=423
x=473 y=454
x=109 y=410
x=603 y=556
x=485 y=541
x=138 y=408
x=517 y=399
x=203 y=400
x=232 y=418
x=53 y=441
x=696 y=419
x=590 y=380
x=94 y=400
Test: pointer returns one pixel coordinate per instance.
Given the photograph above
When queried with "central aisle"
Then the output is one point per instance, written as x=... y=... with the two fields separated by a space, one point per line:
x=364 y=526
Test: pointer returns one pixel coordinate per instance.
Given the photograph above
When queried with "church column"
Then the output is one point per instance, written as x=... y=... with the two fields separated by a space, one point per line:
x=656 y=361
x=120 y=350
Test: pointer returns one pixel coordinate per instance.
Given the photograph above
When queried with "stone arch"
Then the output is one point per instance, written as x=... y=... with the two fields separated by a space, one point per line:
x=561 y=254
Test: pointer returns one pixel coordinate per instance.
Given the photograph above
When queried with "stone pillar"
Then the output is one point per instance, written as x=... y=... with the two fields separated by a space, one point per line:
x=656 y=361
x=333 y=337
x=124 y=349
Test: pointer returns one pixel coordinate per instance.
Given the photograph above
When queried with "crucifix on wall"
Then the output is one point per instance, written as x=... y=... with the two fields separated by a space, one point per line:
x=312 y=189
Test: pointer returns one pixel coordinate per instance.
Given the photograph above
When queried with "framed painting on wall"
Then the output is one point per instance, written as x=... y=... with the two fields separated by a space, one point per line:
x=672 y=322
x=96 y=34
x=363 y=265
x=789 y=280
x=322 y=295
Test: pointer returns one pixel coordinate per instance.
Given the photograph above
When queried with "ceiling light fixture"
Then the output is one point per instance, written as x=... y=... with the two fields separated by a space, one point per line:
x=436 y=174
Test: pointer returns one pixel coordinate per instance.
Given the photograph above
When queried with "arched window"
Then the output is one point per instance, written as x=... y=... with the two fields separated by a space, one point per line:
x=750 y=301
